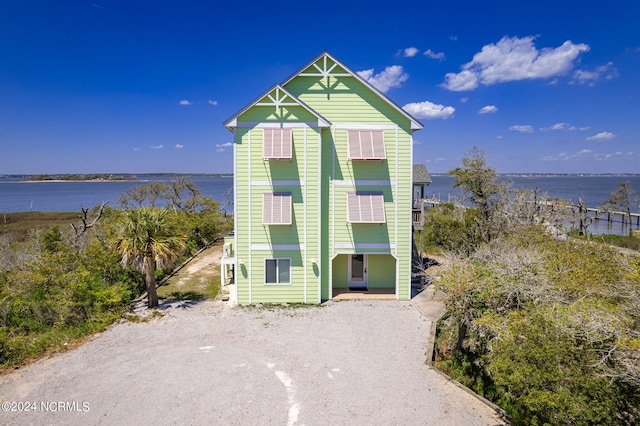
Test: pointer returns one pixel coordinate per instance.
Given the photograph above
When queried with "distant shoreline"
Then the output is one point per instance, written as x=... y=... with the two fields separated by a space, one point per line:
x=127 y=177
x=105 y=177
x=73 y=180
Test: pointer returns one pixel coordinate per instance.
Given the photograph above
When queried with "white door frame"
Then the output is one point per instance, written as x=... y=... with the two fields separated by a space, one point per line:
x=359 y=282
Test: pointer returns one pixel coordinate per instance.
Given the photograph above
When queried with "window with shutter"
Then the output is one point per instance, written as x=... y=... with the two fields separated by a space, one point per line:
x=276 y=144
x=276 y=208
x=366 y=145
x=365 y=207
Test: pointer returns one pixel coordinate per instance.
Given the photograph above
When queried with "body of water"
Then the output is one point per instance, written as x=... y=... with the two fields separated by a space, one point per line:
x=16 y=195
x=592 y=190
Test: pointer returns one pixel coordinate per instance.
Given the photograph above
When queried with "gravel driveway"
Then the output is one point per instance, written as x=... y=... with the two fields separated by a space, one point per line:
x=348 y=362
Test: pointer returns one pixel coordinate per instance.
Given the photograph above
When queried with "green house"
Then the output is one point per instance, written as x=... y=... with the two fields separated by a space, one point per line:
x=323 y=189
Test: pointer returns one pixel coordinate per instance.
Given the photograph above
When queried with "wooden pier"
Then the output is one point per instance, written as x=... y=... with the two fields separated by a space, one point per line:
x=576 y=213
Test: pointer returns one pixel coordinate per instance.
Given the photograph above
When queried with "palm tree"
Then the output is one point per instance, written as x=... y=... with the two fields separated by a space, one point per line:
x=146 y=240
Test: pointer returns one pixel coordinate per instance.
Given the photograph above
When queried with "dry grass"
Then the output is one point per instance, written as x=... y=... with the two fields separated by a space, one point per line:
x=17 y=226
x=197 y=280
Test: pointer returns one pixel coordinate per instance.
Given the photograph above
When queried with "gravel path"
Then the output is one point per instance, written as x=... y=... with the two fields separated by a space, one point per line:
x=349 y=362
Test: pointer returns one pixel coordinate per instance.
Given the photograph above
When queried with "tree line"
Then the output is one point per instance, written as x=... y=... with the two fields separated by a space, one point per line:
x=546 y=327
x=60 y=284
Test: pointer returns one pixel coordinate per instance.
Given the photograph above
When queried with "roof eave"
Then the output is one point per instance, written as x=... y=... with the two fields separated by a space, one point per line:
x=415 y=124
x=232 y=122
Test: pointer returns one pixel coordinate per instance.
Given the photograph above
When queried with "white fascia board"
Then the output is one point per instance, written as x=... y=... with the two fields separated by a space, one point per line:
x=232 y=122
x=415 y=124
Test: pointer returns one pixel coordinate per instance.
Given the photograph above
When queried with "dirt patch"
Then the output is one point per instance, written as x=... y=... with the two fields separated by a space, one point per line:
x=437 y=263
x=198 y=279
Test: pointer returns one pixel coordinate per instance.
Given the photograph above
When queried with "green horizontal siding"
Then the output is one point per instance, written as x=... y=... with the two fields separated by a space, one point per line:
x=255 y=177
x=302 y=273
x=341 y=100
x=381 y=271
x=265 y=114
x=349 y=101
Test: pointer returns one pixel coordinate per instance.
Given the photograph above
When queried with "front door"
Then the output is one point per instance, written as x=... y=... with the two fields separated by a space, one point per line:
x=357 y=271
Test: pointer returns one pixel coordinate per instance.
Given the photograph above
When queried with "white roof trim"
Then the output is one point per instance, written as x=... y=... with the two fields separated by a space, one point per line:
x=278 y=102
x=415 y=124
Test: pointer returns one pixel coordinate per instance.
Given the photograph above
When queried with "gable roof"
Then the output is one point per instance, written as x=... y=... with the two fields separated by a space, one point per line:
x=276 y=96
x=420 y=174
x=330 y=66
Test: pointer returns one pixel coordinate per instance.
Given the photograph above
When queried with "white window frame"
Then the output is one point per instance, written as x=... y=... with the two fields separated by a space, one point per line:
x=269 y=200
x=277 y=143
x=367 y=202
x=362 y=144
x=278 y=262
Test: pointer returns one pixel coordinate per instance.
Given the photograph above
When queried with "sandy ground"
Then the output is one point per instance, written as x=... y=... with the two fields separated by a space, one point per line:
x=205 y=265
x=348 y=362
x=197 y=275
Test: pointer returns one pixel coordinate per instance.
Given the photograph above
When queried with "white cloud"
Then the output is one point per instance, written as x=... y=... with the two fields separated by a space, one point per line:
x=606 y=72
x=463 y=81
x=522 y=129
x=464 y=100
x=429 y=110
x=433 y=55
x=220 y=147
x=185 y=102
x=156 y=146
x=212 y=102
x=601 y=137
x=587 y=154
x=512 y=59
x=392 y=76
x=560 y=157
x=137 y=149
x=410 y=52
x=179 y=146
x=563 y=126
x=557 y=126
x=489 y=109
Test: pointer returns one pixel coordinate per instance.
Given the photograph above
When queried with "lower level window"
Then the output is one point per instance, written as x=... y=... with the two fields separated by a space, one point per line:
x=277 y=271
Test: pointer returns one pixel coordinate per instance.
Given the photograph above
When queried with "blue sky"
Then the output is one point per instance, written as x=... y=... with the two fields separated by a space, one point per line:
x=114 y=86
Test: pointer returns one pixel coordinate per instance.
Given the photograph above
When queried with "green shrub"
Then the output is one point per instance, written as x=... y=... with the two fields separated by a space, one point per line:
x=549 y=330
